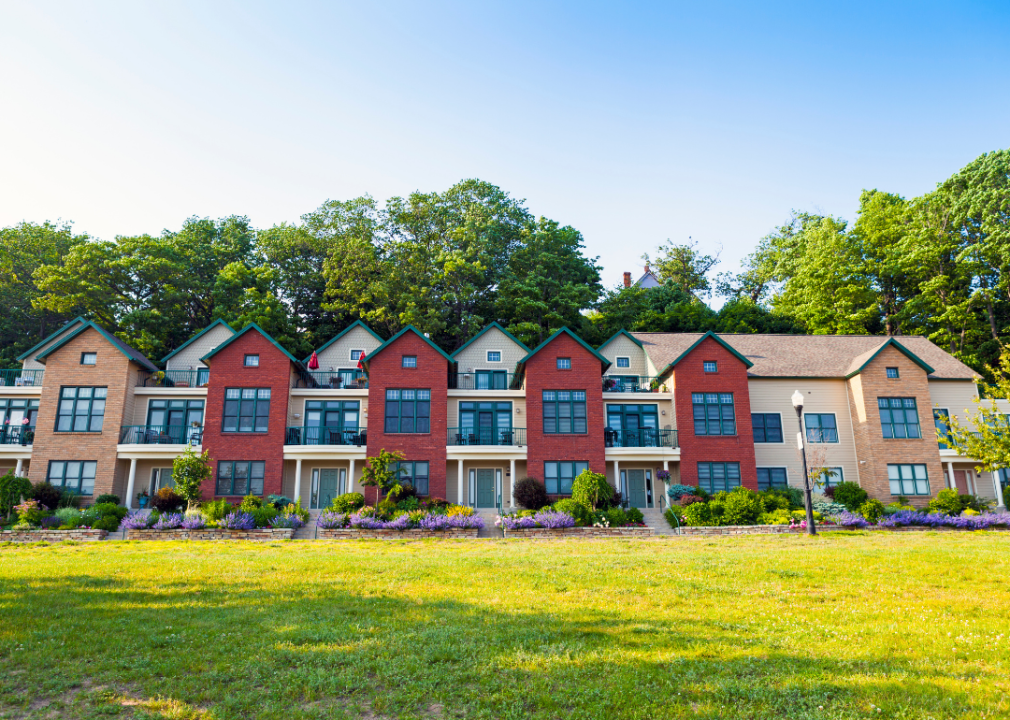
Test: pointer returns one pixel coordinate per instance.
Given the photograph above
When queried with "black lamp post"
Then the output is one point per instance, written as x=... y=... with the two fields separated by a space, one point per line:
x=807 y=501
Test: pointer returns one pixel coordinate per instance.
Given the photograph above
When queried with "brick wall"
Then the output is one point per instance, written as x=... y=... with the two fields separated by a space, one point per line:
x=228 y=371
x=690 y=377
x=871 y=446
x=542 y=374
x=386 y=371
x=112 y=370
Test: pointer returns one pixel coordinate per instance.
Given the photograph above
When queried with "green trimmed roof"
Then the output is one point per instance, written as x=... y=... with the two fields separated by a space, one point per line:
x=410 y=328
x=626 y=334
x=606 y=363
x=197 y=337
x=356 y=323
x=131 y=353
x=512 y=337
x=240 y=333
x=891 y=342
x=696 y=343
x=59 y=332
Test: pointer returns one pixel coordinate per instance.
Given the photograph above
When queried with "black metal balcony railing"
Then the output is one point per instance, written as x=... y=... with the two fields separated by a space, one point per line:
x=643 y=437
x=325 y=436
x=509 y=437
x=17 y=435
x=335 y=379
x=160 y=435
x=631 y=383
x=21 y=378
x=485 y=381
x=175 y=378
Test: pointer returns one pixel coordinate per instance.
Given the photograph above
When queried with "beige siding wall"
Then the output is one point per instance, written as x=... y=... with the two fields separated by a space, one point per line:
x=474 y=357
x=31 y=364
x=622 y=346
x=141 y=403
x=296 y=406
x=452 y=474
x=820 y=396
x=190 y=355
x=956 y=396
x=338 y=355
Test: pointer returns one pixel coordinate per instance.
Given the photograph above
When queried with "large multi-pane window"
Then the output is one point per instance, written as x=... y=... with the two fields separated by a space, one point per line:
x=899 y=417
x=485 y=423
x=558 y=476
x=246 y=409
x=632 y=426
x=408 y=411
x=908 y=479
x=718 y=476
x=412 y=473
x=82 y=409
x=240 y=477
x=713 y=414
x=767 y=427
x=941 y=421
x=329 y=422
x=17 y=421
x=772 y=477
x=821 y=427
x=565 y=411
x=181 y=420
x=77 y=476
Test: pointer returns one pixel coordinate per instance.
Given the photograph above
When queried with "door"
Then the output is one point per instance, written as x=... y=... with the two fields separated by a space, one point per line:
x=961 y=481
x=636 y=489
x=485 y=489
x=329 y=486
x=632 y=436
x=485 y=429
x=492 y=380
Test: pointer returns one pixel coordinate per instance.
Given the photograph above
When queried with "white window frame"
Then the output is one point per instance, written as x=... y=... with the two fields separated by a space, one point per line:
x=496 y=362
x=350 y=354
x=622 y=357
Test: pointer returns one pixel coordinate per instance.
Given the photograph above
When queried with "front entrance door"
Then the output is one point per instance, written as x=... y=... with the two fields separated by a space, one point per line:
x=330 y=485
x=485 y=489
x=961 y=480
x=638 y=492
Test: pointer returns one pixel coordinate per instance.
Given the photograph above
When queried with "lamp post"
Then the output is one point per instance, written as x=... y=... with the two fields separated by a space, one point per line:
x=807 y=502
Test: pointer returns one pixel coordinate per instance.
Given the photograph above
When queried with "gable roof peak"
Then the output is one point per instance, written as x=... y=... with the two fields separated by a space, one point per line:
x=410 y=328
x=248 y=328
x=564 y=330
x=196 y=337
x=494 y=324
x=356 y=323
x=129 y=351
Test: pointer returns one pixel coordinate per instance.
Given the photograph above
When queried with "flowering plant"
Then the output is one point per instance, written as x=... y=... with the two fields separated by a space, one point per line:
x=542 y=519
x=194 y=521
x=168 y=521
x=30 y=512
x=906 y=518
x=50 y=522
x=329 y=520
x=237 y=521
x=286 y=521
x=663 y=475
x=851 y=520
x=137 y=520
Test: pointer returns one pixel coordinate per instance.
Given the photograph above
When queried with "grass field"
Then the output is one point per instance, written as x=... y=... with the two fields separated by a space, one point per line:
x=862 y=625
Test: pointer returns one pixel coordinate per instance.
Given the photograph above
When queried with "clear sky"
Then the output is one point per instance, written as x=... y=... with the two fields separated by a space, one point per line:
x=632 y=122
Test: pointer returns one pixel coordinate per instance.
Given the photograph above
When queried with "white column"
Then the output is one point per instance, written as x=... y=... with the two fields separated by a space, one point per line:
x=971 y=482
x=459 y=482
x=617 y=478
x=17 y=467
x=298 y=479
x=666 y=483
x=512 y=482
x=950 y=475
x=129 y=483
x=350 y=477
x=998 y=488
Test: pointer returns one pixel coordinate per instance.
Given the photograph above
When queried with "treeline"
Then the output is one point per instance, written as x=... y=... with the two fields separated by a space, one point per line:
x=451 y=262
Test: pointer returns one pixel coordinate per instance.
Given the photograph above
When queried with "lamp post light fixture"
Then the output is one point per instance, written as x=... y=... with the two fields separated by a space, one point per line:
x=797 y=399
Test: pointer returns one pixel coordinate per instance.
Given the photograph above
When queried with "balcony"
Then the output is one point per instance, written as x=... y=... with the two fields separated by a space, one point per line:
x=641 y=438
x=489 y=380
x=471 y=436
x=21 y=378
x=631 y=384
x=325 y=436
x=334 y=379
x=175 y=378
x=160 y=435
x=19 y=435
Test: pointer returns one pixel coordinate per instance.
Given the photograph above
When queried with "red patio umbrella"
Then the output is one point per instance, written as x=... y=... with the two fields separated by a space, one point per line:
x=313 y=361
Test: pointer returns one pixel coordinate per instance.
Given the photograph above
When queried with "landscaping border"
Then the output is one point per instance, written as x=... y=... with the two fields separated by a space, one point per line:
x=210 y=534
x=26 y=536
x=579 y=532
x=384 y=534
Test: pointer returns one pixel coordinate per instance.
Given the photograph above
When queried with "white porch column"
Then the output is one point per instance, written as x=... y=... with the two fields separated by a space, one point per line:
x=950 y=476
x=666 y=483
x=998 y=488
x=617 y=478
x=459 y=482
x=17 y=467
x=298 y=479
x=350 y=476
x=972 y=488
x=512 y=483
x=129 y=483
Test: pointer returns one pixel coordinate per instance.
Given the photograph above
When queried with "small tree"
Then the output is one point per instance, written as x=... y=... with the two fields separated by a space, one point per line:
x=592 y=490
x=189 y=471
x=377 y=472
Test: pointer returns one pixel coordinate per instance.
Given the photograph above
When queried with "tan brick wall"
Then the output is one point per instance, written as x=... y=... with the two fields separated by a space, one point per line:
x=871 y=446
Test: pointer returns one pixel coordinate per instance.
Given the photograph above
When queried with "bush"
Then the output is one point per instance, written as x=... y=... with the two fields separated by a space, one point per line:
x=263 y=515
x=617 y=517
x=685 y=500
x=872 y=510
x=348 y=502
x=675 y=516
x=409 y=504
x=699 y=513
x=250 y=503
x=279 y=501
x=166 y=500
x=947 y=501
x=592 y=490
x=828 y=508
x=775 y=500
x=582 y=514
x=102 y=510
x=108 y=522
x=12 y=489
x=215 y=510
x=676 y=492
x=69 y=499
x=46 y=494
x=107 y=498
x=897 y=507
x=778 y=516
x=30 y=512
x=401 y=492
x=976 y=503
x=635 y=516
x=848 y=494
x=531 y=494
x=742 y=507
x=454 y=510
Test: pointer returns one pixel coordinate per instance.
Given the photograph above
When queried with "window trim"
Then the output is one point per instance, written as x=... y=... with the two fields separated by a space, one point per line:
x=783 y=468
x=487 y=356
x=399 y=414
x=720 y=404
x=405 y=358
x=411 y=476
x=617 y=361
x=896 y=376
x=557 y=478
x=556 y=417
x=255 y=357
x=806 y=430
x=713 y=363
x=726 y=464
x=567 y=361
x=350 y=354
x=900 y=480
x=80 y=479
x=891 y=425
x=73 y=414
x=782 y=431
x=249 y=478
x=89 y=354
x=238 y=417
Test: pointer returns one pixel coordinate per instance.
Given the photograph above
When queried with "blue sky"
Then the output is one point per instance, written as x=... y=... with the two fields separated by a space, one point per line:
x=632 y=122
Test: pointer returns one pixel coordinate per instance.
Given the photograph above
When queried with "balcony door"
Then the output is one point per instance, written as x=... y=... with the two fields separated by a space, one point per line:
x=177 y=420
x=633 y=425
x=485 y=423
x=492 y=380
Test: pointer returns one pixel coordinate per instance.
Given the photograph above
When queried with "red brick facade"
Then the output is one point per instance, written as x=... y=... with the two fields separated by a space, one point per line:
x=542 y=373
x=229 y=371
x=386 y=371
x=689 y=377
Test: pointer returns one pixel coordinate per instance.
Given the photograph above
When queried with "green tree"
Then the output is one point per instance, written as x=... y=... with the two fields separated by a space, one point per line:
x=686 y=266
x=377 y=472
x=189 y=472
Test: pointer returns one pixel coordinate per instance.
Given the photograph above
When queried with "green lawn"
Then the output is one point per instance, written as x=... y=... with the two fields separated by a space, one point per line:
x=862 y=625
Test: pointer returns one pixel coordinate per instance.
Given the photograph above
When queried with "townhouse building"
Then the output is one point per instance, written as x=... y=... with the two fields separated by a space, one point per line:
x=89 y=413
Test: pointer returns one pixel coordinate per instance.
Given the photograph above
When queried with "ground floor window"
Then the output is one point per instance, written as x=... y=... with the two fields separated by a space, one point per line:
x=908 y=479
x=412 y=473
x=774 y=477
x=161 y=478
x=240 y=477
x=831 y=477
x=718 y=476
x=77 y=476
x=558 y=476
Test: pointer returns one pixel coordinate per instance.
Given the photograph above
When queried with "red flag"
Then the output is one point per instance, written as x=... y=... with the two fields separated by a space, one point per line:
x=313 y=361
x=360 y=366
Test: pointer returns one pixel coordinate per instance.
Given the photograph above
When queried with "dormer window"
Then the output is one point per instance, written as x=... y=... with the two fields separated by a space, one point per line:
x=252 y=361
x=89 y=358
x=410 y=361
x=711 y=366
x=564 y=363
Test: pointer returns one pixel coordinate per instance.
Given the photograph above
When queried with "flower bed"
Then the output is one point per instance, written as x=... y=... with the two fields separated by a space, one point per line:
x=417 y=524
x=179 y=533
x=51 y=535
x=360 y=533
x=907 y=519
x=553 y=533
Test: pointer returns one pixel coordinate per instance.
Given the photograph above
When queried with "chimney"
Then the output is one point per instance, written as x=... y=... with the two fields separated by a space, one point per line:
x=627 y=279
x=647 y=268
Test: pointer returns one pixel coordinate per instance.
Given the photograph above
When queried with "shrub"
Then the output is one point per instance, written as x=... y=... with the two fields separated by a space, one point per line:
x=54 y=522
x=329 y=519
x=107 y=498
x=237 y=521
x=699 y=513
x=617 y=517
x=976 y=503
x=946 y=501
x=676 y=492
x=385 y=508
x=169 y=521
x=263 y=515
x=779 y=516
x=454 y=510
x=348 y=502
x=685 y=500
x=137 y=519
x=896 y=507
x=582 y=514
x=435 y=503
x=401 y=492
x=166 y=500
x=409 y=504
x=847 y=519
x=101 y=510
x=215 y=510
x=675 y=516
x=30 y=512
x=742 y=506
x=635 y=516
x=68 y=515
x=872 y=510
x=279 y=501
x=552 y=519
x=828 y=508
x=70 y=499
x=250 y=503
x=296 y=509
x=531 y=494
x=775 y=499
x=46 y=494
x=286 y=521
x=193 y=520
x=12 y=490
x=592 y=490
x=848 y=494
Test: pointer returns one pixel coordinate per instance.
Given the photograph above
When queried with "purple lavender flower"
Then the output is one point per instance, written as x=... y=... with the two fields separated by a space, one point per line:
x=136 y=520
x=286 y=521
x=237 y=521
x=328 y=520
x=168 y=521
x=851 y=520
x=193 y=522
x=400 y=523
x=50 y=522
x=554 y=519
x=365 y=522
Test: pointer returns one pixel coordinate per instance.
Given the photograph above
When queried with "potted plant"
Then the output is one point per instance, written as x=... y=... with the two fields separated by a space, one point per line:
x=654 y=385
x=609 y=383
x=663 y=475
x=159 y=377
x=142 y=498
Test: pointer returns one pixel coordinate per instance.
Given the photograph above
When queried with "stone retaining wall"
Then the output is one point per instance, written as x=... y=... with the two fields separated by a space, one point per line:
x=51 y=535
x=579 y=532
x=211 y=534
x=416 y=534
